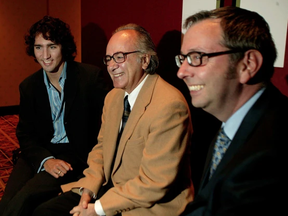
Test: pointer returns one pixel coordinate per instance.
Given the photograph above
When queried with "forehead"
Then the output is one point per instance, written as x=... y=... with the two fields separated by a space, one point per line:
x=203 y=36
x=122 y=41
x=39 y=39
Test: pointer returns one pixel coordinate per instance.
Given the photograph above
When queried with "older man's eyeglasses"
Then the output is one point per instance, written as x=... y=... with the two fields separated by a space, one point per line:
x=118 y=57
x=196 y=59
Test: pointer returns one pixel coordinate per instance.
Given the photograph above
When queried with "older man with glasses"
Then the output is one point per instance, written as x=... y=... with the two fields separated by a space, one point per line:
x=144 y=168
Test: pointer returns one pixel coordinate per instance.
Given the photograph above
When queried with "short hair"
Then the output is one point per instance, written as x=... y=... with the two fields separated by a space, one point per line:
x=244 y=30
x=144 y=43
x=55 y=30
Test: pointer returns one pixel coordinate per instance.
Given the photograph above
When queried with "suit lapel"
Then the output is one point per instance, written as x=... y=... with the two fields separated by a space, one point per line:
x=142 y=101
x=112 y=124
x=71 y=86
x=42 y=98
x=246 y=128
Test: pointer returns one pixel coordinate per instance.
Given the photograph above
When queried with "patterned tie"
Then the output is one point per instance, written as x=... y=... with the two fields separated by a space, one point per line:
x=124 y=120
x=126 y=114
x=221 y=145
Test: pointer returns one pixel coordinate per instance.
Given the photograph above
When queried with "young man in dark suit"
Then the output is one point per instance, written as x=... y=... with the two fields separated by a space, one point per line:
x=59 y=119
x=226 y=60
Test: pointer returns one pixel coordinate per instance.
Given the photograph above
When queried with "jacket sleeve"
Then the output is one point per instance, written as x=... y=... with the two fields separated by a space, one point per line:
x=94 y=174
x=32 y=148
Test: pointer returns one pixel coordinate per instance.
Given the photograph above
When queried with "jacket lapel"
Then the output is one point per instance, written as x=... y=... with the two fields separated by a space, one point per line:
x=142 y=101
x=246 y=128
x=42 y=98
x=71 y=86
x=112 y=124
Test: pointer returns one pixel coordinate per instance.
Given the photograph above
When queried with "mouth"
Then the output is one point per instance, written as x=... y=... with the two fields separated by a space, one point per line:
x=195 y=87
x=118 y=75
x=47 y=62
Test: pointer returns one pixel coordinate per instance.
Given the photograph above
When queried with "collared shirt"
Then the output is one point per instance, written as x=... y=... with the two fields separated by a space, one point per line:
x=232 y=125
x=131 y=98
x=57 y=105
x=134 y=94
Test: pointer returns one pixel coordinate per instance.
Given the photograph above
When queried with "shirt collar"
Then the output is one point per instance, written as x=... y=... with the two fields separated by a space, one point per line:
x=62 y=77
x=134 y=94
x=233 y=123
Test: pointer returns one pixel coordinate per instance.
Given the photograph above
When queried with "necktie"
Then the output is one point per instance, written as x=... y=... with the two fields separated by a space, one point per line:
x=221 y=145
x=126 y=114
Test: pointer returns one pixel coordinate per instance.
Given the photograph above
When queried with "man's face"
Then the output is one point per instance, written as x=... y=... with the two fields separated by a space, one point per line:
x=209 y=85
x=126 y=75
x=48 y=54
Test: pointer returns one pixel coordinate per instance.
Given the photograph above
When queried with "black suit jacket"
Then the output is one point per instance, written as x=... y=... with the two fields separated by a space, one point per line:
x=84 y=94
x=249 y=180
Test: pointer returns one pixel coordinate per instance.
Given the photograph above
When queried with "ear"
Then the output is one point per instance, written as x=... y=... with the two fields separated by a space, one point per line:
x=145 y=61
x=250 y=65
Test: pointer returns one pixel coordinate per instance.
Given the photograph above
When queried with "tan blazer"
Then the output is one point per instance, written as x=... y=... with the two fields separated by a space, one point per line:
x=151 y=173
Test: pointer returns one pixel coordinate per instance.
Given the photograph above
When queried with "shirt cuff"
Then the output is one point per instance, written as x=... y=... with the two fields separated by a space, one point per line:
x=98 y=208
x=41 y=168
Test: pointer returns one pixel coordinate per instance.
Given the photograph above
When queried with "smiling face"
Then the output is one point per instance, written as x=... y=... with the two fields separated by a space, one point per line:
x=128 y=74
x=211 y=86
x=48 y=54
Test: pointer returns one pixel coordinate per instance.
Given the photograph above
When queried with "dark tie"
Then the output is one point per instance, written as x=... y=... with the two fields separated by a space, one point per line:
x=221 y=145
x=124 y=120
x=126 y=114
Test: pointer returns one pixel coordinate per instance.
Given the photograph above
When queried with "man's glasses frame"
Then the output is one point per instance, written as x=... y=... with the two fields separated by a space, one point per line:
x=118 y=57
x=195 y=59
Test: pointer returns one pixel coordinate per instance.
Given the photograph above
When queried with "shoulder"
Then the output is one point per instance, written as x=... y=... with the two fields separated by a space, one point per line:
x=86 y=74
x=114 y=94
x=273 y=102
x=86 y=67
x=82 y=68
x=165 y=92
x=32 y=79
x=161 y=97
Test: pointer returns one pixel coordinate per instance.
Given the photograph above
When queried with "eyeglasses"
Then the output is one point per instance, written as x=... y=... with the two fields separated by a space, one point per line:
x=119 y=57
x=196 y=59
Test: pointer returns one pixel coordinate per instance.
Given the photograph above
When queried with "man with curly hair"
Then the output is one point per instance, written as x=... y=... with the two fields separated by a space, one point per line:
x=59 y=119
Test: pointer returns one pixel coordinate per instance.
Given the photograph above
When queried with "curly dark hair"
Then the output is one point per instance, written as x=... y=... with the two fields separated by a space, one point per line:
x=55 y=30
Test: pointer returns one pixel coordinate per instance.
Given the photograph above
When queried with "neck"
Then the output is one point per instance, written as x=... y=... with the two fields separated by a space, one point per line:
x=235 y=103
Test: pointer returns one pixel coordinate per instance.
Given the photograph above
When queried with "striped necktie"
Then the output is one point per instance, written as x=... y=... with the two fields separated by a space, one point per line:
x=126 y=114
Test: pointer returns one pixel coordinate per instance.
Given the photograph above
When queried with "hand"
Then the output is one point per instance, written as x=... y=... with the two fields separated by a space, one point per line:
x=56 y=167
x=84 y=208
x=80 y=211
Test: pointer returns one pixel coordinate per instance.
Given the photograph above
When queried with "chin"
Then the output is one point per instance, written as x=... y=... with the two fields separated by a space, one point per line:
x=118 y=86
x=197 y=105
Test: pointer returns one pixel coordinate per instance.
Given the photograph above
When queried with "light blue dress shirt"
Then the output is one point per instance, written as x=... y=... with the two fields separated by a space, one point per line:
x=57 y=105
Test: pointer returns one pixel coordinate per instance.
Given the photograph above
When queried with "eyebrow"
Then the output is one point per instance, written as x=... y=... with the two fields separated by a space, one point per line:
x=50 y=44
x=191 y=50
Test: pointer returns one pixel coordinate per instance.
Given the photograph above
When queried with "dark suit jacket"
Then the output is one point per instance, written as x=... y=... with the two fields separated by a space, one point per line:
x=249 y=180
x=84 y=94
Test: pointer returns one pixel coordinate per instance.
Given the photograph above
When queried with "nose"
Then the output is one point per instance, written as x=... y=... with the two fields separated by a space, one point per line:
x=46 y=53
x=185 y=70
x=112 y=65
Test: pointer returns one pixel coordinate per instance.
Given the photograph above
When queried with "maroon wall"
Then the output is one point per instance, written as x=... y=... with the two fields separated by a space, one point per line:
x=162 y=18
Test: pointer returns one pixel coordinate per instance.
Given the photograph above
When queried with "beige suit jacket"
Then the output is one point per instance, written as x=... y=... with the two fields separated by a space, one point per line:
x=151 y=173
